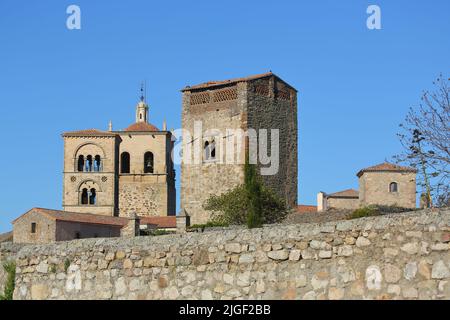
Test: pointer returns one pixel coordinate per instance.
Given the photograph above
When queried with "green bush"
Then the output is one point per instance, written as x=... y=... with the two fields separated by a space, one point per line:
x=209 y=224
x=364 y=212
x=10 y=268
x=251 y=203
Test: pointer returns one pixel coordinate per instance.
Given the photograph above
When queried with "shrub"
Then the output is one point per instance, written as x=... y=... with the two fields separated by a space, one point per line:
x=66 y=265
x=251 y=203
x=10 y=268
x=364 y=212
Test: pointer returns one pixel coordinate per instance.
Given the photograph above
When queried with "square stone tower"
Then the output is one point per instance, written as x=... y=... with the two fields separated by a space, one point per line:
x=120 y=173
x=253 y=103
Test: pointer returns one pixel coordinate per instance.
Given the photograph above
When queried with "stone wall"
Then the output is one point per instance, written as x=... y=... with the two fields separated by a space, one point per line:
x=403 y=256
x=342 y=203
x=136 y=195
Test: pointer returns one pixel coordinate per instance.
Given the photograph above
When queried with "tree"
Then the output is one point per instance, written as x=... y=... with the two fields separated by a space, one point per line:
x=425 y=137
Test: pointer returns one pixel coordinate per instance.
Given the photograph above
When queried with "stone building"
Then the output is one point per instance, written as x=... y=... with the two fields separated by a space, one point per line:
x=383 y=184
x=41 y=226
x=257 y=102
x=117 y=173
x=346 y=199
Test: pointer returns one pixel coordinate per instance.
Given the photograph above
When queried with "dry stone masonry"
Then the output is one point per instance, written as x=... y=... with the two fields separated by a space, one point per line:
x=402 y=256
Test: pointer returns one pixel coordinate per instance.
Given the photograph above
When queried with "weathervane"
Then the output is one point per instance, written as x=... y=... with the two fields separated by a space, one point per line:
x=142 y=91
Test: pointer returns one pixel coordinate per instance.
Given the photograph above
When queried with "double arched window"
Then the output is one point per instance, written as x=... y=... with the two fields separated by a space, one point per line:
x=393 y=187
x=89 y=163
x=125 y=162
x=88 y=191
x=148 y=162
x=89 y=197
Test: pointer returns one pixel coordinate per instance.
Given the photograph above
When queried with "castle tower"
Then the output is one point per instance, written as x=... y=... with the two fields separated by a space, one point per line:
x=257 y=102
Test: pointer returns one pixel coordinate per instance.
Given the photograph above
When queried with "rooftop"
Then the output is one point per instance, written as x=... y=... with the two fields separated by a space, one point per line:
x=141 y=127
x=211 y=84
x=301 y=208
x=59 y=215
x=349 y=193
x=89 y=133
x=386 y=166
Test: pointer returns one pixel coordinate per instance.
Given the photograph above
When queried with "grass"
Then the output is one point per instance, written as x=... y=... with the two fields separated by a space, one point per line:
x=157 y=232
x=10 y=268
x=66 y=265
x=209 y=224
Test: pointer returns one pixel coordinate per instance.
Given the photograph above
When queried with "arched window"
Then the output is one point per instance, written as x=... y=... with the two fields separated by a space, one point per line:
x=97 y=163
x=148 y=162
x=89 y=163
x=207 y=152
x=93 y=196
x=125 y=162
x=80 y=163
x=393 y=187
x=213 y=150
x=84 y=196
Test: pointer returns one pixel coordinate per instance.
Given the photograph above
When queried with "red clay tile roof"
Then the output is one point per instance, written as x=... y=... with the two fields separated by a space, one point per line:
x=79 y=217
x=231 y=81
x=349 y=193
x=386 y=166
x=301 y=208
x=141 y=127
x=88 y=133
x=161 y=222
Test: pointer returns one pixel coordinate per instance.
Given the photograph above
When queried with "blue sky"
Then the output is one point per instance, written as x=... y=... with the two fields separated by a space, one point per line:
x=355 y=85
